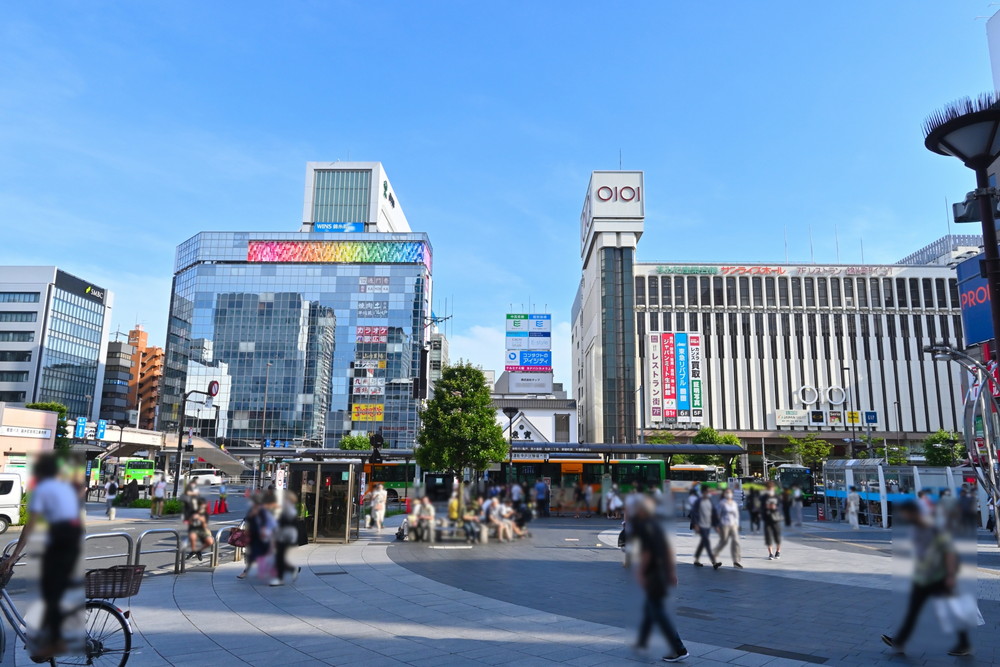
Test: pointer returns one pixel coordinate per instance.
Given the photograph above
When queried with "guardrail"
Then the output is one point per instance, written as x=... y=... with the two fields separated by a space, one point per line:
x=116 y=535
x=237 y=551
x=177 y=549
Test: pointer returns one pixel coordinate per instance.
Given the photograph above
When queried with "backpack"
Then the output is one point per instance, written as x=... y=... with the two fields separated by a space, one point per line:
x=113 y=489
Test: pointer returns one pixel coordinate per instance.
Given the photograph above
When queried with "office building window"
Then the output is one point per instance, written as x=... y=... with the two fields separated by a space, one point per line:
x=17 y=316
x=782 y=291
x=640 y=291
x=928 y=286
x=9 y=355
x=654 y=321
x=810 y=285
x=718 y=293
x=17 y=336
x=744 y=292
x=731 y=292
x=758 y=292
x=13 y=376
x=769 y=293
x=953 y=292
x=679 y=292
x=915 y=292
x=901 y=299
x=12 y=396
x=797 y=292
x=824 y=299
x=653 y=297
x=19 y=297
x=692 y=291
x=562 y=427
x=888 y=299
x=862 y=293
x=939 y=290
x=835 y=292
x=876 y=293
x=849 y=292
x=668 y=321
x=706 y=290
x=341 y=195
x=666 y=296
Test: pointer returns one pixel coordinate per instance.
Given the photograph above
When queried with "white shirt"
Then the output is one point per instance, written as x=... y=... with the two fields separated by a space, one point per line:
x=107 y=489
x=56 y=501
x=516 y=493
x=159 y=489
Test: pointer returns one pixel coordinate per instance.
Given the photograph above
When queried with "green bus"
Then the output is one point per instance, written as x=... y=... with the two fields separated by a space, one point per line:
x=135 y=469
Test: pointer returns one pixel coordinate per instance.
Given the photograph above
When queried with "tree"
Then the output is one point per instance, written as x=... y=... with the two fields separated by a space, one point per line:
x=943 y=448
x=459 y=427
x=355 y=442
x=62 y=440
x=666 y=438
x=810 y=451
x=709 y=436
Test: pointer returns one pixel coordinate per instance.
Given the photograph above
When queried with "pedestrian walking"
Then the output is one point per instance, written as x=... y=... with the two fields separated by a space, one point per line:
x=704 y=517
x=379 y=499
x=196 y=519
x=159 y=496
x=729 y=527
x=657 y=573
x=111 y=490
x=772 y=515
x=935 y=572
x=798 y=501
x=786 y=506
x=56 y=504
x=261 y=526
x=853 y=507
x=542 y=497
x=754 y=508
x=285 y=537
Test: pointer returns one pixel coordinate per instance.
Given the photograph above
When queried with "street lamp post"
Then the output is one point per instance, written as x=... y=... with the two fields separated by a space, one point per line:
x=511 y=412
x=850 y=412
x=899 y=422
x=968 y=129
x=263 y=426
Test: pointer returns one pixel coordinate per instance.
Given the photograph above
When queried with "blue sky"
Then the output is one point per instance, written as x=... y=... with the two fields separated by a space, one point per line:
x=125 y=128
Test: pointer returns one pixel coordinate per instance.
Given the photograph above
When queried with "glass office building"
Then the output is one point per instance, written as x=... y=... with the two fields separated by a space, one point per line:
x=312 y=336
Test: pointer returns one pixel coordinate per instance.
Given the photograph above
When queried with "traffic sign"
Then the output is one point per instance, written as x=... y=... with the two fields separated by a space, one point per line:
x=213 y=388
x=102 y=428
x=81 y=428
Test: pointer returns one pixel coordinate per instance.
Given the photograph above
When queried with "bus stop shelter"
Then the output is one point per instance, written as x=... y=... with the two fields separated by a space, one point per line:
x=328 y=494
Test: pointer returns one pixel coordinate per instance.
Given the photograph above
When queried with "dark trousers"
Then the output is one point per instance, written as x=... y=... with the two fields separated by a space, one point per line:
x=654 y=611
x=543 y=507
x=58 y=566
x=705 y=543
x=919 y=595
x=471 y=529
x=281 y=559
x=754 y=521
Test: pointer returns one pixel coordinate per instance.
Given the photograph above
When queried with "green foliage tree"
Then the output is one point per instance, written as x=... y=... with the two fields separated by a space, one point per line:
x=709 y=436
x=666 y=438
x=943 y=448
x=62 y=440
x=459 y=428
x=810 y=451
x=355 y=442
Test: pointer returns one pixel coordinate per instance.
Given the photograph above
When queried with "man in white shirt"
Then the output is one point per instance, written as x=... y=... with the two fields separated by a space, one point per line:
x=853 y=506
x=110 y=493
x=56 y=503
x=159 y=495
x=379 y=499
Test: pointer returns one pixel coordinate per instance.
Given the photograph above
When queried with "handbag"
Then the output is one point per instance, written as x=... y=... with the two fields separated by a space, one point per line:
x=239 y=537
x=958 y=613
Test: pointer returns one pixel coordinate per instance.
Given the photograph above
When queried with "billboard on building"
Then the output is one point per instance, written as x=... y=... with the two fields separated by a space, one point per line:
x=669 y=376
x=694 y=371
x=527 y=352
x=683 y=377
x=791 y=418
x=367 y=412
x=974 y=298
x=529 y=383
x=654 y=377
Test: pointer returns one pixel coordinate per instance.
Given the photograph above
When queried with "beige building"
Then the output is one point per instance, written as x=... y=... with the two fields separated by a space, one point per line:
x=25 y=433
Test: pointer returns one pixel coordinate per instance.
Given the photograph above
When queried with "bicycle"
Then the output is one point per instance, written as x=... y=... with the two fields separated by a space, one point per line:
x=108 y=638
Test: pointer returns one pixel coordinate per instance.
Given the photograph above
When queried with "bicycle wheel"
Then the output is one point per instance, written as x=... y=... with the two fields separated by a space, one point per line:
x=109 y=638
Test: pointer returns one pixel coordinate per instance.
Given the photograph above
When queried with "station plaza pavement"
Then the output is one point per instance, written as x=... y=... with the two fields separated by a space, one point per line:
x=560 y=597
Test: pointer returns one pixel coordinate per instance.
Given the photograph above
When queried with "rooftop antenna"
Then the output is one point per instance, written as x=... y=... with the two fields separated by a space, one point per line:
x=812 y=257
x=862 y=251
x=786 y=244
x=836 y=236
x=947 y=215
x=619 y=159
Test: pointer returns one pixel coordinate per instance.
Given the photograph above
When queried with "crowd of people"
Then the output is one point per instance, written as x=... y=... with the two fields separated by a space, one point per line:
x=502 y=510
x=272 y=531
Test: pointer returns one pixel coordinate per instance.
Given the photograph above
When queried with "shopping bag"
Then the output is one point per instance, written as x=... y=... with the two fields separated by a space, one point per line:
x=265 y=568
x=958 y=613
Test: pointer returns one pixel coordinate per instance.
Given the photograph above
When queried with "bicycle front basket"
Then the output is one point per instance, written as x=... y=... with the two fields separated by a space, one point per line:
x=120 y=581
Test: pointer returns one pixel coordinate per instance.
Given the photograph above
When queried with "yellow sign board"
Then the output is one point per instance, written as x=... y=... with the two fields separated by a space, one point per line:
x=367 y=412
x=853 y=417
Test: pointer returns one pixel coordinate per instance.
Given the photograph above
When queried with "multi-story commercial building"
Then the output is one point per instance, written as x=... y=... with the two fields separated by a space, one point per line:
x=438 y=356
x=118 y=374
x=549 y=417
x=53 y=338
x=604 y=340
x=317 y=334
x=144 y=388
x=762 y=350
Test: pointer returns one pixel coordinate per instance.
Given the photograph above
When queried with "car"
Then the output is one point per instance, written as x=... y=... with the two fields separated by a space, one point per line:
x=205 y=476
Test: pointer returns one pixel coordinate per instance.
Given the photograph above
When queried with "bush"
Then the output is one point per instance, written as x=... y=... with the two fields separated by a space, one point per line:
x=23 y=509
x=142 y=503
x=173 y=506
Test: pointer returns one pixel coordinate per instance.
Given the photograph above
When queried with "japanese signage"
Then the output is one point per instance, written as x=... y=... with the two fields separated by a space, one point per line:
x=704 y=270
x=853 y=417
x=683 y=377
x=750 y=270
x=669 y=376
x=791 y=417
x=694 y=359
x=372 y=335
x=373 y=309
x=338 y=226
x=373 y=284
x=367 y=412
x=368 y=386
x=369 y=364
x=527 y=344
x=654 y=360
x=27 y=432
x=529 y=383
x=974 y=298
x=529 y=331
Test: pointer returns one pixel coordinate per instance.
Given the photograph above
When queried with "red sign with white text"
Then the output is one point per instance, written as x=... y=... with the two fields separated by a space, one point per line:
x=669 y=376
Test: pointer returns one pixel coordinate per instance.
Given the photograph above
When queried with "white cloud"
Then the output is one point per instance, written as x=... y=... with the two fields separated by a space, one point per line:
x=484 y=346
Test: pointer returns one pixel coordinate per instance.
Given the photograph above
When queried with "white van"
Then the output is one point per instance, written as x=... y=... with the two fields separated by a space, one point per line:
x=10 y=500
x=205 y=476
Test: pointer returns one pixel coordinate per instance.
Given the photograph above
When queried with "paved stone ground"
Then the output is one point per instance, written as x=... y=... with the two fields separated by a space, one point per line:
x=557 y=598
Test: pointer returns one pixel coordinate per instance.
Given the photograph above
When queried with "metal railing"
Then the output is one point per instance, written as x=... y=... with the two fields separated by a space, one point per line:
x=237 y=551
x=177 y=549
x=116 y=535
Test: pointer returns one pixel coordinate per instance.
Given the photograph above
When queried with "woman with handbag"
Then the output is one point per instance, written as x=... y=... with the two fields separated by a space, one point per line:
x=260 y=526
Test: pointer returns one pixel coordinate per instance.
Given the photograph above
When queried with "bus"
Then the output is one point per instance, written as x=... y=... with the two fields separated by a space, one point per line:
x=789 y=475
x=687 y=475
x=397 y=478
